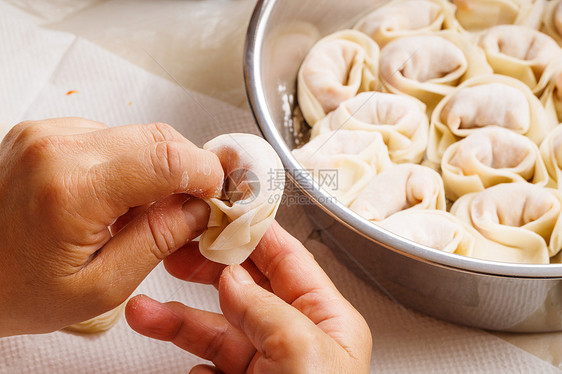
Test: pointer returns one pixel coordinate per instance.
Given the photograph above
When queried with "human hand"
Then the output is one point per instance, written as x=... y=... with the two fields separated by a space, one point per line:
x=79 y=230
x=281 y=315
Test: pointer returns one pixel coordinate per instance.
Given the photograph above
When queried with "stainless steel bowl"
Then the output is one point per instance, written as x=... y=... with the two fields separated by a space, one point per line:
x=484 y=294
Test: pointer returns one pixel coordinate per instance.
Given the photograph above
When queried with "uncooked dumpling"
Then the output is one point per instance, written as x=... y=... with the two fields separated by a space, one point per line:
x=428 y=67
x=552 y=20
x=551 y=151
x=343 y=162
x=493 y=100
x=98 y=324
x=490 y=156
x=519 y=52
x=433 y=228
x=443 y=231
x=401 y=18
x=400 y=187
x=476 y=15
x=519 y=215
x=400 y=120
x=336 y=69
x=254 y=182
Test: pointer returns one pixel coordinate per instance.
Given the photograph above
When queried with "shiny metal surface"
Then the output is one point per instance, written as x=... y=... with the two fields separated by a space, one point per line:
x=490 y=295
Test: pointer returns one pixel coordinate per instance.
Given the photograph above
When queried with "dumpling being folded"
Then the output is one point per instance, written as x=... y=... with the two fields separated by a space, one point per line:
x=401 y=120
x=254 y=181
x=401 y=18
x=492 y=100
x=519 y=52
x=552 y=20
x=334 y=70
x=343 y=162
x=518 y=215
x=476 y=15
x=551 y=151
x=490 y=156
x=400 y=187
x=429 y=67
x=443 y=231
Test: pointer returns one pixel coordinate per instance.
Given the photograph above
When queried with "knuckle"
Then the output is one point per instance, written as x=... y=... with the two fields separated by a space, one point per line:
x=165 y=159
x=163 y=241
x=40 y=149
x=215 y=346
x=161 y=132
x=313 y=300
x=23 y=132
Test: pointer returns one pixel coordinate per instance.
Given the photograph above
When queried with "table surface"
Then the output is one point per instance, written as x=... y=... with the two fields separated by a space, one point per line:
x=198 y=44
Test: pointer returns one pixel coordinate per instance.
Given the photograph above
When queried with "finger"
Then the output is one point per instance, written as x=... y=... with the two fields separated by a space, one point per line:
x=205 y=334
x=124 y=261
x=188 y=264
x=298 y=279
x=31 y=130
x=275 y=328
x=151 y=173
x=284 y=260
x=204 y=369
x=70 y=123
x=111 y=142
x=127 y=217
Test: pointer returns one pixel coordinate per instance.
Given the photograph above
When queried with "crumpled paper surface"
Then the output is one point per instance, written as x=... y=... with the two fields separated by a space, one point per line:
x=38 y=68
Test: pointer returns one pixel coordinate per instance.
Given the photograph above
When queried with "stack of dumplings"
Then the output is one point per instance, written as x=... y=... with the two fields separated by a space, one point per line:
x=443 y=120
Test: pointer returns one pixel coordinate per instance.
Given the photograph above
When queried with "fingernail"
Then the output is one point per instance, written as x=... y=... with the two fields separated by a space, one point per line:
x=240 y=274
x=197 y=213
x=204 y=369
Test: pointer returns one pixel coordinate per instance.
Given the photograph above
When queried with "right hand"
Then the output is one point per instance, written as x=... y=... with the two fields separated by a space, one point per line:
x=280 y=315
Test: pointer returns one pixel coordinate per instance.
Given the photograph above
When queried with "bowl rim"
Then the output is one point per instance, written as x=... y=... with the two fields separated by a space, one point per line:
x=256 y=96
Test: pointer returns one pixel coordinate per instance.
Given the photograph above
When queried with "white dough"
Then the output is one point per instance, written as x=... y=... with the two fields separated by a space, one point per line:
x=490 y=156
x=476 y=15
x=401 y=18
x=552 y=20
x=551 y=151
x=400 y=120
x=335 y=69
x=428 y=67
x=519 y=52
x=551 y=87
x=518 y=215
x=443 y=231
x=434 y=229
x=400 y=187
x=353 y=157
x=493 y=100
x=98 y=324
x=252 y=193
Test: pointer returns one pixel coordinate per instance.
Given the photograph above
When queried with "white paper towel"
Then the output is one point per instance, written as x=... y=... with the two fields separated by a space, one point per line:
x=37 y=70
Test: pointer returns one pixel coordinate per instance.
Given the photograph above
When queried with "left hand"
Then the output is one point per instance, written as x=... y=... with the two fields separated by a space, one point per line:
x=88 y=211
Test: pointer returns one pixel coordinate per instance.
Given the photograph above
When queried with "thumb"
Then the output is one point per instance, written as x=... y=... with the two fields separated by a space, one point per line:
x=277 y=330
x=124 y=261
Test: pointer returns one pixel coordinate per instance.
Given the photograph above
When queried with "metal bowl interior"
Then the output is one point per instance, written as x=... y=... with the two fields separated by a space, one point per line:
x=279 y=35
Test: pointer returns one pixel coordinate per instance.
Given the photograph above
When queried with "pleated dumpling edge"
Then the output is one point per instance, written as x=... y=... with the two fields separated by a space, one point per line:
x=253 y=187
